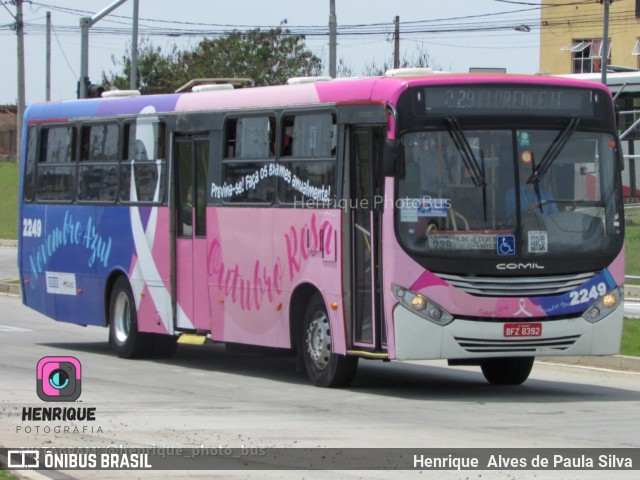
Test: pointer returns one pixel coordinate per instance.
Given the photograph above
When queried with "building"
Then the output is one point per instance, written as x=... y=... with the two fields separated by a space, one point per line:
x=571 y=36
x=8 y=130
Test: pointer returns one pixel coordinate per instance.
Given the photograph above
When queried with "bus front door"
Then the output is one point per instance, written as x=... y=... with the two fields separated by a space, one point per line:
x=367 y=327
x=191 y=305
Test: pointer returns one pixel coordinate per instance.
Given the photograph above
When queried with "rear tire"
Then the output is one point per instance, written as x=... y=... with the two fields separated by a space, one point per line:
x=324 y=368
x=124 y=336
x=507 y=371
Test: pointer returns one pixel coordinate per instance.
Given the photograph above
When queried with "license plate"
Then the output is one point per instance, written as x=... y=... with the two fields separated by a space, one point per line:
x=522 y=329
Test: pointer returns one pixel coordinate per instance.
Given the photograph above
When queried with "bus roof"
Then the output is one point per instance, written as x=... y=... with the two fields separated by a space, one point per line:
x=341 y=91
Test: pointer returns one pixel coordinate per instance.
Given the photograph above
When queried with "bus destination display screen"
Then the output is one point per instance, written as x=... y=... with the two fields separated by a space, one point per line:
x=507 y=99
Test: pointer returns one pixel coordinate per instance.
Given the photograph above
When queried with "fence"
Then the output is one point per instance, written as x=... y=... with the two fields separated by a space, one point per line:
x=8 y=143
x=629 y=131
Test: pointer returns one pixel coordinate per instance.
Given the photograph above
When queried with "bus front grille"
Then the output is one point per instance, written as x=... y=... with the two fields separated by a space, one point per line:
x=516 y=286
x=479 y=345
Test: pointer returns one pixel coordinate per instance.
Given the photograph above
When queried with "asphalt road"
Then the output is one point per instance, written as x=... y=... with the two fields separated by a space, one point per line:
x=8 y=263
x=206 y=396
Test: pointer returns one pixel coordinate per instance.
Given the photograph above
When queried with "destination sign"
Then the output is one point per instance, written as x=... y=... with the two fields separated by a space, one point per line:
x=505 y=99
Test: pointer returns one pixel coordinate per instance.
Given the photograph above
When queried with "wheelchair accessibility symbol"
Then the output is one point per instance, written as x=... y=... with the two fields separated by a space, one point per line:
x=506 y=244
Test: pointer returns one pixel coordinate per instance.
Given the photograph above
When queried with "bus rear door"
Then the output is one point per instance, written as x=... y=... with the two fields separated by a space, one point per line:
x=190 y=270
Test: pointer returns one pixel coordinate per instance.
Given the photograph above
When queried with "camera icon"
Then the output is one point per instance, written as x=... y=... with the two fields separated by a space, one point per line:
x=58 y=379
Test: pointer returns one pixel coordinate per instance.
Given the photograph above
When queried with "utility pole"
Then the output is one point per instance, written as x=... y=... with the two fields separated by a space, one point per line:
x=396 y=43
x=605 y=41
x=133 y=82
x=47 y=89
x=333 y=42
x=85 y=24
x=21 y=95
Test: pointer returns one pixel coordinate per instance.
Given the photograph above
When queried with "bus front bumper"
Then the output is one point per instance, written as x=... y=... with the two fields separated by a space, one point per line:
x=419 y=339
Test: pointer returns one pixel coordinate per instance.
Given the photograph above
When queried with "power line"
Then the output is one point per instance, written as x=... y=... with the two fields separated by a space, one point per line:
x=517 y=2
x=434 y=26
x=7 y=9
x=370 y=28
x=62 y=51
x=479 y=25
x=322 y=29
x=414 y=28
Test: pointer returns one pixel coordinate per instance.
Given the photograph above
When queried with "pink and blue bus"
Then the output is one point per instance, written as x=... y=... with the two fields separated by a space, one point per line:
x=470 y=217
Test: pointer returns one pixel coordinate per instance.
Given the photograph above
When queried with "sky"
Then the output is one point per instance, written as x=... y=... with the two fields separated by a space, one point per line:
x=456 y=34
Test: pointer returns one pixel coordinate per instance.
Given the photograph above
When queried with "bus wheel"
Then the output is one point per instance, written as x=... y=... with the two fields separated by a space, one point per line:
x=324 y=368
x=507 y=371
x=123 y=324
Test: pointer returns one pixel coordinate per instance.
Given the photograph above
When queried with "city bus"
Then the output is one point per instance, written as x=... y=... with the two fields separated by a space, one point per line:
x=476 y=218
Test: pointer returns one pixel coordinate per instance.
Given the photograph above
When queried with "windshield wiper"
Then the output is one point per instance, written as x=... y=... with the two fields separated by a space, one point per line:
x=549 y=157
x=553 y=151
x=466 y=152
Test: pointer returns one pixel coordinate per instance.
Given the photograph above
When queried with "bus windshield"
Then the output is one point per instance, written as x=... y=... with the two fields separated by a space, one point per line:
x=507 y=192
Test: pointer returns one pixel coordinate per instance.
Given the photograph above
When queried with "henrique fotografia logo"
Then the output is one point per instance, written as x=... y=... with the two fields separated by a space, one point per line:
x=58 y=379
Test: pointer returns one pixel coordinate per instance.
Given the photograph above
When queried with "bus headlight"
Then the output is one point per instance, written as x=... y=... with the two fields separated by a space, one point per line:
x=609 y=300
x=422 y=306
x=605 y=305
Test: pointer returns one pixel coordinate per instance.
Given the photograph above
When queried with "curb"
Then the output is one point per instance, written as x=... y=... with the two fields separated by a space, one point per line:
x=9 y=288
x=613 y=362
x=632 y=291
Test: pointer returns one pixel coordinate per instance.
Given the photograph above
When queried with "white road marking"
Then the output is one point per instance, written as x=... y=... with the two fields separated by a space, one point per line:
x=8 y=328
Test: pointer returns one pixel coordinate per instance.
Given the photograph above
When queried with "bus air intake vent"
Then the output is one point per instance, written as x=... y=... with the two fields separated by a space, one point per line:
x=476 y=345
x=517 y=286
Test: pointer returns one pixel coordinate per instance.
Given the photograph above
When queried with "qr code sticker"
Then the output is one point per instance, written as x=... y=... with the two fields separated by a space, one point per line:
x=538 y=242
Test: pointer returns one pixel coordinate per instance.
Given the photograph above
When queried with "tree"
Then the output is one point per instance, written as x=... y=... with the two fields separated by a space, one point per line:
x=421 y=59
x=157 y=71
x=344 y=70
x=268 y=57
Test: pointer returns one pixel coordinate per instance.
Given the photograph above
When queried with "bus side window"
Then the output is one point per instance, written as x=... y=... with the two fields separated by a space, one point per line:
x=56 y=168
x=307 y=164
x=287 y=136
x=30 y=167
x=249 y=147
x=142 y=170
x=98 y=169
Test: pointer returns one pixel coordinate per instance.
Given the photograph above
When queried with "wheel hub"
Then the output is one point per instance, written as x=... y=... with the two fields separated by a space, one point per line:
x=122 y=318
x=319 y=340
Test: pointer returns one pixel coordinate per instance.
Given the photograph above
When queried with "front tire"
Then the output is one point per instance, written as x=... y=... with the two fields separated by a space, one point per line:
x=507 y=371
x=124 y=336
x=324 y=368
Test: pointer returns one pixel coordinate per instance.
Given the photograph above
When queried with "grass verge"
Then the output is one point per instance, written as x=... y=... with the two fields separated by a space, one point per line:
x=632 y=245
x=8 y=200
x=4 y=475
x=631 y=337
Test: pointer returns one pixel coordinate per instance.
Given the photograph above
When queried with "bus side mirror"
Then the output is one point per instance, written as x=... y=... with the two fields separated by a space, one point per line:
x=391 y=159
